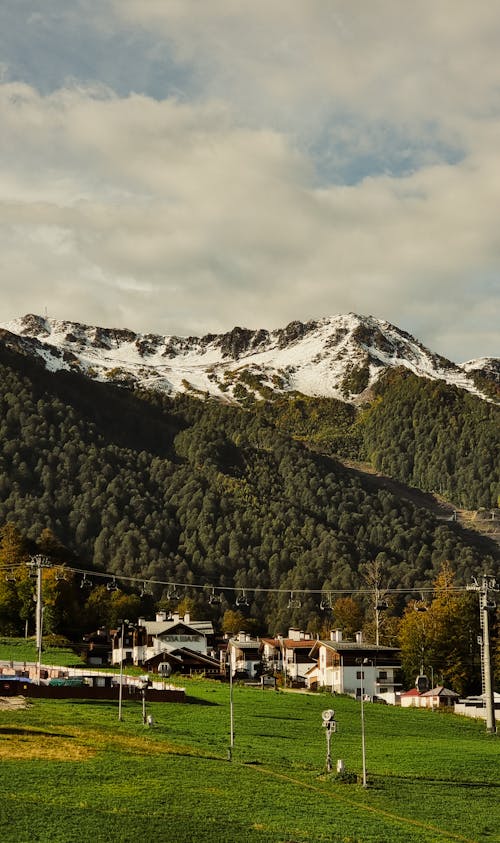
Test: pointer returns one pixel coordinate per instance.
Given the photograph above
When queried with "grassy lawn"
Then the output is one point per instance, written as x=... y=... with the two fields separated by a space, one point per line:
x=24 y=650
x=71 y=772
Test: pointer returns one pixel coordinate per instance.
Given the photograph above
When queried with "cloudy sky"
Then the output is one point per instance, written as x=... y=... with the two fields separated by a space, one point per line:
x=185 y=166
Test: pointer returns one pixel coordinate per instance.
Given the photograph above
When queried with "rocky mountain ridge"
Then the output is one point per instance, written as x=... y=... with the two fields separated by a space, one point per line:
x=340 y=357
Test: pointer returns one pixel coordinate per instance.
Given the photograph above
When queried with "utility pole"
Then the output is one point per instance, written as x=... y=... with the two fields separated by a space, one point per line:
x=486 y=604
x=36 y=563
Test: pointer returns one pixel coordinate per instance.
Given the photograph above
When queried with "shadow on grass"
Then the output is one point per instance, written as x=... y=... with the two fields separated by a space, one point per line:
x=198 y=701
x=33 y=733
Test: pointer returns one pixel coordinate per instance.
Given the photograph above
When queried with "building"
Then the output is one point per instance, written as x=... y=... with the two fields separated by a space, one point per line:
x=355 y=668
x=296 y=659
x=166 y=634
x=439 y=697
x=243 y=656
x=476 y=706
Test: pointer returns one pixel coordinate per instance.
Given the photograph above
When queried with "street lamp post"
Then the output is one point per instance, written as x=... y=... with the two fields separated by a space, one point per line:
x=120 y=689
x=363 y=742
x=231 y=712
x=362 y=663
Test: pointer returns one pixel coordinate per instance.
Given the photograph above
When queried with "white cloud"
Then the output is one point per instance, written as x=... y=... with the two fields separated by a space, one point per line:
x=234 y=207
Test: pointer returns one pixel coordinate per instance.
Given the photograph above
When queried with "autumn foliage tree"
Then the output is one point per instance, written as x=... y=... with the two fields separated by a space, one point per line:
x=438 y=639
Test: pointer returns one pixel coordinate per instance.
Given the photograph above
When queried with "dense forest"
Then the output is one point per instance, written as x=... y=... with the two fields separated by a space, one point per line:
x=436 y=437
x=205 y=495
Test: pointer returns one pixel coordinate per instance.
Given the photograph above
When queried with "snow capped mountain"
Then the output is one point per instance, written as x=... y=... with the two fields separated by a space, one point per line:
x=340 y=357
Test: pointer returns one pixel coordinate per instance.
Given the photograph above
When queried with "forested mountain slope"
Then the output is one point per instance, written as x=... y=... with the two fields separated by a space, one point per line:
x=197 y=492
x=436 y=437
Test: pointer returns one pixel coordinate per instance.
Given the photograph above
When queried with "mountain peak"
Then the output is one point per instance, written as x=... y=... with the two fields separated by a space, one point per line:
x=340 y=356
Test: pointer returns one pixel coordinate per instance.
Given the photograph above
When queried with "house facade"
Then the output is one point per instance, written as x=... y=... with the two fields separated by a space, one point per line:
x=165 y=634
x=243 y=657
x=355 y=668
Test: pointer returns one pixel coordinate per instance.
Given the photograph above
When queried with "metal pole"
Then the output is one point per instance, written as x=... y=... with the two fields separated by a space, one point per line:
x=490 y=704
x=39 y=618
x=488 y=584
x=231 y=712
x=328 y=754
x=120 y=689
x=363 y=746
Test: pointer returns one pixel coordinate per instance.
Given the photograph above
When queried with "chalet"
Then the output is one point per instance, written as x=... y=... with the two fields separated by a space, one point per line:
x=96 y=647
x=165 y=634
x=296 y=656
x=355 y=668
x=288 y=655
x=184 y=661
x=243 y=656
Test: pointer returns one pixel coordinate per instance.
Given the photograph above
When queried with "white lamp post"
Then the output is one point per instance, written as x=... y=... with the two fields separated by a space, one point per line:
x=120 y=689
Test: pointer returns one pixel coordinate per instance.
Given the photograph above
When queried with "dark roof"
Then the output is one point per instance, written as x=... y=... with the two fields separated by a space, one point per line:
x=292 y=643
x=354 y=646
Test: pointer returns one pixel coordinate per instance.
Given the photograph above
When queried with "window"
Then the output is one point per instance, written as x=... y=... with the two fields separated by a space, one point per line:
x=382 y=674
x=360 y=674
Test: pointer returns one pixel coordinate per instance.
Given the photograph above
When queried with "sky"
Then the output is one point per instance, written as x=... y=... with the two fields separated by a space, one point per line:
x=186 y=166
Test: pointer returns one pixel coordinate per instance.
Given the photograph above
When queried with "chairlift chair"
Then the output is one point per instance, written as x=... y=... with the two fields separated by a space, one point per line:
x=112 y=586
x=242 y=599
x=421 y=605
x=173 y=594
x=86 y=582
x=294 y=602
x=214 y=598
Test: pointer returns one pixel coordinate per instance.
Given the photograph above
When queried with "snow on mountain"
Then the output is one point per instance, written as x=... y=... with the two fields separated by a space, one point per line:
x=340 y=357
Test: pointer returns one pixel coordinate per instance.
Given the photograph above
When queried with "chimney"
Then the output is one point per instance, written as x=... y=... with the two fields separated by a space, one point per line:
x=359 y=637
x=161 y=617
x=336 y=635
x=187 y=617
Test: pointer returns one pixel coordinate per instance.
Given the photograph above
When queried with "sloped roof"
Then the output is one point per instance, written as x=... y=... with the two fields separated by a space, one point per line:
x=354 y=646
x=440 y=691
x=413 y=692
x=159 y=628
x=243 y=645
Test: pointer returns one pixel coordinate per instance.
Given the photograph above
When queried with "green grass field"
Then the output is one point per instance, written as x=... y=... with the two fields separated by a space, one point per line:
x=72 y=773
x=24 y=650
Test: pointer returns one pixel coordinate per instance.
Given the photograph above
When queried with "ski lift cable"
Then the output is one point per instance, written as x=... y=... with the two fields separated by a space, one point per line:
x=138 y=581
